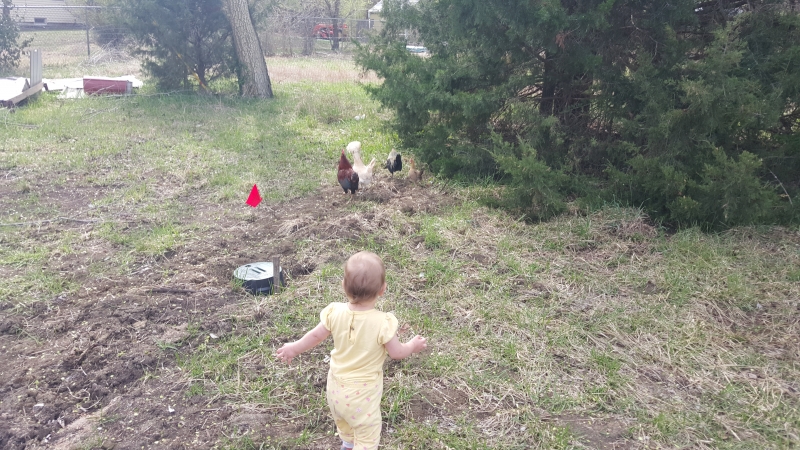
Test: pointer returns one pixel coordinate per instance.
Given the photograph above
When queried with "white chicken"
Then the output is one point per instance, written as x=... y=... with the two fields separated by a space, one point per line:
x=364 y=171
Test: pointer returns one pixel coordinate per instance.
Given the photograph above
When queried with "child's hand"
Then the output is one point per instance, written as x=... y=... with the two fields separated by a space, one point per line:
x=396 y=350
x=310 y=340
x=418 y=344
x=287 y=353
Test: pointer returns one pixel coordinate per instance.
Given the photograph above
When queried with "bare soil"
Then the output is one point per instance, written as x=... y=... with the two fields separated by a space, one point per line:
x=96 y=367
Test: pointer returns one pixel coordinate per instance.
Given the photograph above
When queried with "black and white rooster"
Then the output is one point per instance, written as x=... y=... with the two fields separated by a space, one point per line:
x=394 y=163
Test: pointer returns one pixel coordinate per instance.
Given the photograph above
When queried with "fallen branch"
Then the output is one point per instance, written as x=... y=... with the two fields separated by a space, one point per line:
x=23 y=125
x=58 y=219
x=169 y=290
x=784 y=189
x=99 y=111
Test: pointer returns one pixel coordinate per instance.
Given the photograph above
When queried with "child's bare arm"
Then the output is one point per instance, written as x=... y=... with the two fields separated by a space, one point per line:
x=398 y=350
x=307 y=342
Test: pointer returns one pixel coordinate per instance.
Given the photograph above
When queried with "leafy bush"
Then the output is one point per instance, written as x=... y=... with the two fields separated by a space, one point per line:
x=535 y=189
x=10 y=47
x=692 y=112
x=184 y=43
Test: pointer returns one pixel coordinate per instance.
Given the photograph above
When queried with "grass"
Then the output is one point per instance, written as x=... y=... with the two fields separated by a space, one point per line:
x=582 y=332
x=65 y=55
x=577 y=339
x=113 y=148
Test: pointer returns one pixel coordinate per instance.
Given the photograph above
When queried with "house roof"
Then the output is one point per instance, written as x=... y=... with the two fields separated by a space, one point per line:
x=24 y=3
x=379 y=6
x=54 y=11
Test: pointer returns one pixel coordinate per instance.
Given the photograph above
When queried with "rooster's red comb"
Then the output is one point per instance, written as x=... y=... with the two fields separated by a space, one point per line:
x=343 y=162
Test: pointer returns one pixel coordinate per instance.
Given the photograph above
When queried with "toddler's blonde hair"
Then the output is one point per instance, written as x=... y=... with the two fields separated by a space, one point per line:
x=364 y=276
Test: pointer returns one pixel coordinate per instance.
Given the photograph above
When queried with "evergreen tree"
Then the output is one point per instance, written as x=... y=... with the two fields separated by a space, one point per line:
x=184 y=42
x=688 y=108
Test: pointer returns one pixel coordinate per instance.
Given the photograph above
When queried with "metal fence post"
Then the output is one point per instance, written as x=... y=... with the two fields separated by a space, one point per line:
x=36 y=67
x=86 y=24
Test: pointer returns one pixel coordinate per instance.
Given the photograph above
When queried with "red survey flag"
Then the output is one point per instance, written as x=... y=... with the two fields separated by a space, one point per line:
x=255 y=198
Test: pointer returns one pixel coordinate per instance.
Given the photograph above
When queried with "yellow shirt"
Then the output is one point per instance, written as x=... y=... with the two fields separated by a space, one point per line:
x=359 y=338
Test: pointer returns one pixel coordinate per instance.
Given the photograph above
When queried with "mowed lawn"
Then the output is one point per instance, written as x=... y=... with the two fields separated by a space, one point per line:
x=598 y=329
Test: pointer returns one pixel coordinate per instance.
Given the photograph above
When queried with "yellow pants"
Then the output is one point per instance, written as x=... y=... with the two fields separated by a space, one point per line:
x=356 y=409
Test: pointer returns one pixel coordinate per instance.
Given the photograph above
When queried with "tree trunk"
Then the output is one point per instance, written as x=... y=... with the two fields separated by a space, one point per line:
x=309 y=40
x=248 y=50
x=335 y=38
x=548 y=86
x=333 y=8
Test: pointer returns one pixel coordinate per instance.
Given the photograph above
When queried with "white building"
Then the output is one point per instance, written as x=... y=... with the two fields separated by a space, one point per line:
x=374 y=14
x=46 y=14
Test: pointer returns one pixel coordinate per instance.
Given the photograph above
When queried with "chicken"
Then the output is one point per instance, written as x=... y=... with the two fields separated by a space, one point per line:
x=414 y=174
x=364 y=172
x=348 y=178
x=394 y=163
x=355 y=145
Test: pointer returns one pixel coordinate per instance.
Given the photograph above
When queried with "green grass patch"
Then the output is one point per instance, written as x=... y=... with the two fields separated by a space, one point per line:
x=590 y=328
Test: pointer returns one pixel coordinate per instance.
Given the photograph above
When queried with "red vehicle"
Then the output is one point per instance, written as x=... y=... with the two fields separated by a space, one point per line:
x=325 y=31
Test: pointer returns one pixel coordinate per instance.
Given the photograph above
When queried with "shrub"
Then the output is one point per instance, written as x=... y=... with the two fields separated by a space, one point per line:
x=692 y=113
x=184 y=43
x=10 y=47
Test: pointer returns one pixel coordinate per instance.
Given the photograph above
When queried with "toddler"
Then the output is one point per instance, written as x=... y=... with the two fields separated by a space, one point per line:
x=362 y=337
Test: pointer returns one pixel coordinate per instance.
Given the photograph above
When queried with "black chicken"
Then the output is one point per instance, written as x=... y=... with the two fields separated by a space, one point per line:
x=394 y=163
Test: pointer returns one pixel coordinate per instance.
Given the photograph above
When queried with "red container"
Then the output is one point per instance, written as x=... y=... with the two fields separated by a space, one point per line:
x=98 y=85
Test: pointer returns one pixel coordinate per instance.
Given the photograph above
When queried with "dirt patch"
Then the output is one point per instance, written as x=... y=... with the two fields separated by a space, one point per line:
x=96 y=368
x=438 y=402
x=637 y=229
x=598 y=433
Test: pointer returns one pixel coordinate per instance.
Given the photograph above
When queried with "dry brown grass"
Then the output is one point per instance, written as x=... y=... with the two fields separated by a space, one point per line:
x=589 y=331
x=599 y=326
x=332 y=69
x=65 y=55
